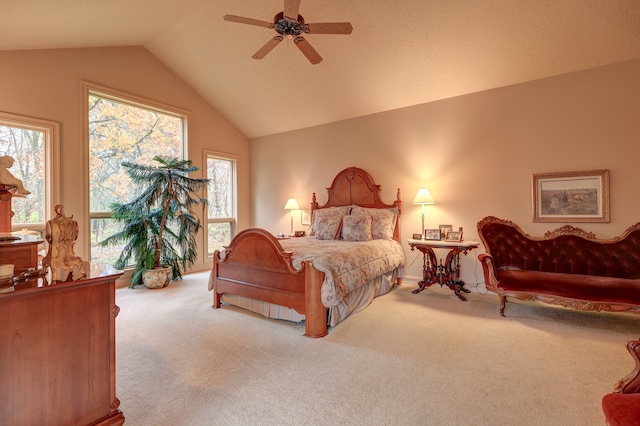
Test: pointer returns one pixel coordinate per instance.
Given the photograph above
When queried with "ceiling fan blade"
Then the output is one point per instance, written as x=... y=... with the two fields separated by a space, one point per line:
x=291 y=8
x=268 y=47
x=308 y=50
x=250 y=21
x=330 y=28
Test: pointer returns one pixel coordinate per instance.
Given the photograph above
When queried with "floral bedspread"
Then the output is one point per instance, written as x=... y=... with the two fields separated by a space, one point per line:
x=346 y=265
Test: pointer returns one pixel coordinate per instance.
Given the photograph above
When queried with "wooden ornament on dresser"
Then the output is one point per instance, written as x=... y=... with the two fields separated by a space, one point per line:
x=19 y=251
x=61 y=234
x=6 y=194
x=10 y=186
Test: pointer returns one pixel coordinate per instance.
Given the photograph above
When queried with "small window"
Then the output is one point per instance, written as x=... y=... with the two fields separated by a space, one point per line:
x=33 y=144
x=221 y=194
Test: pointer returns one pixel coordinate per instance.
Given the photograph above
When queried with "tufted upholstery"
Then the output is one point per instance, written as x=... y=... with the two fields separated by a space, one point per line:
x=568 y=254
x=567 y=263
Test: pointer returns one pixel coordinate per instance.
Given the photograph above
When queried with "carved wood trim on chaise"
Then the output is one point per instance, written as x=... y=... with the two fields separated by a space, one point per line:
x=622 y=407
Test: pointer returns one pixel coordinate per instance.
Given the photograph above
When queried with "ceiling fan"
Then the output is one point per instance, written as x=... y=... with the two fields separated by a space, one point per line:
x=289 y=24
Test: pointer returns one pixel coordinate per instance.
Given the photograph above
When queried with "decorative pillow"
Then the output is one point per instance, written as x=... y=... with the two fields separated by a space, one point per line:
x=384 y=221
x=328 y=227
x=329 y=211
x=357 y=227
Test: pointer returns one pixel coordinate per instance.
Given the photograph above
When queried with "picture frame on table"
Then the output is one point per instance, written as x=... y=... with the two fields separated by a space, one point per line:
x=432 y=234
x=454 y=237
x=444 y=230
x=417 y=236
x=571 y=196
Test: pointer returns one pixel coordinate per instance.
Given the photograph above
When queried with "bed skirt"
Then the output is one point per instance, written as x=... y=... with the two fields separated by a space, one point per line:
x=355 y=301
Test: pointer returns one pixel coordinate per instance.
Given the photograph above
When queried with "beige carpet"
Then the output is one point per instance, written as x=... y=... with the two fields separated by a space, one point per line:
x=426 y=359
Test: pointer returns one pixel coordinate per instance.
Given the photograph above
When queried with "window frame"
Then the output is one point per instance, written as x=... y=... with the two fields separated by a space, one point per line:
x=89 y=89
x=233 y=220
x=51 y=131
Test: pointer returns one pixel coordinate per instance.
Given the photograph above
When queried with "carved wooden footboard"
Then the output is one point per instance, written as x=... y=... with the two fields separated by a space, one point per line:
x=256 y=266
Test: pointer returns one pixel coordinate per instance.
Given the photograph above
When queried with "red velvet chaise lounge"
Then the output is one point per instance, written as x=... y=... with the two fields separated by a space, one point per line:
x=567 y=267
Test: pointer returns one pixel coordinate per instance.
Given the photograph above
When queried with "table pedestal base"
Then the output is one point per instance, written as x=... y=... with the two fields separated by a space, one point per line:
x=444 y=274
x=457 y=286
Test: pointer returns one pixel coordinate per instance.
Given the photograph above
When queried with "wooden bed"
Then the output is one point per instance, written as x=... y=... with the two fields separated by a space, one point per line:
x=256 y=266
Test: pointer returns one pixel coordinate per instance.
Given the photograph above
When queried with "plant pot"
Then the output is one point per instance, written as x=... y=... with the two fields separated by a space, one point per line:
x=156 y=278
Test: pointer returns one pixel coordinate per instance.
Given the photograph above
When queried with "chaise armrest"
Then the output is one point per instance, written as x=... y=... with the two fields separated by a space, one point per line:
x=631 y=382
x=489 y=269
x=622 y=407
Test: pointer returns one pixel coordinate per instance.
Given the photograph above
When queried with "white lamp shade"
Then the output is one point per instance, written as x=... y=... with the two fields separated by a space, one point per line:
x=292 y=204
x=423 y=196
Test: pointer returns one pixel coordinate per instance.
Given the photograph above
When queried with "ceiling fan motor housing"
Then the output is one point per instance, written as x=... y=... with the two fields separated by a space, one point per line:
x=289 y=27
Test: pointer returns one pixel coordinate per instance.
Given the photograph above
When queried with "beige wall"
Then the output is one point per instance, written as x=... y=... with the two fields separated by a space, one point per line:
x=475 y=153
x=47 y=84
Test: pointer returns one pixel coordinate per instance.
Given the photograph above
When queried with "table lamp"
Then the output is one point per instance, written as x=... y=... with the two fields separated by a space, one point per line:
x=423 y=196
x=292 y=204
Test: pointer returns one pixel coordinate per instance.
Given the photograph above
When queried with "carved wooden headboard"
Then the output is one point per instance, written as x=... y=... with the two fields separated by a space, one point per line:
x=355 y=186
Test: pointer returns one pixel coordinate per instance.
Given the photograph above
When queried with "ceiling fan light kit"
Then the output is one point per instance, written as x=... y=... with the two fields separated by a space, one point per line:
x=292 y=29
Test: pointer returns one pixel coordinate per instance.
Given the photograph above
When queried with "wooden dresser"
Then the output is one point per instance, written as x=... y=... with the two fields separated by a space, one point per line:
x=57 y=351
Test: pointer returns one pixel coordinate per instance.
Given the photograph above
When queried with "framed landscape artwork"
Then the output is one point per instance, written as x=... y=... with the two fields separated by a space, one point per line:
x=571 y=196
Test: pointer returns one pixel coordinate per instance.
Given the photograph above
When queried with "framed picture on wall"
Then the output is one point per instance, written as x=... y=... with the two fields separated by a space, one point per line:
x=571 y=196
x=305 y=217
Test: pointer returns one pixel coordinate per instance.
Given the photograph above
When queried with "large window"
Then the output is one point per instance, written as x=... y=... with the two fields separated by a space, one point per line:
x=33 y=144
x=122 y=129
x=221 y=194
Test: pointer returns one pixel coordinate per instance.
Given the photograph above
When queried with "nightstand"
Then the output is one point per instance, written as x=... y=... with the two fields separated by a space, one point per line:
x=444 y=274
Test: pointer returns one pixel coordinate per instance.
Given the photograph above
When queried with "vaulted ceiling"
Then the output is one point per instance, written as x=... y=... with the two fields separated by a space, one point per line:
x=401 y=53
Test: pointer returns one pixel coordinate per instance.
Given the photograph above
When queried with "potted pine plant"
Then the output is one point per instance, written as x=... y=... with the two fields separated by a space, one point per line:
x=158 y=226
